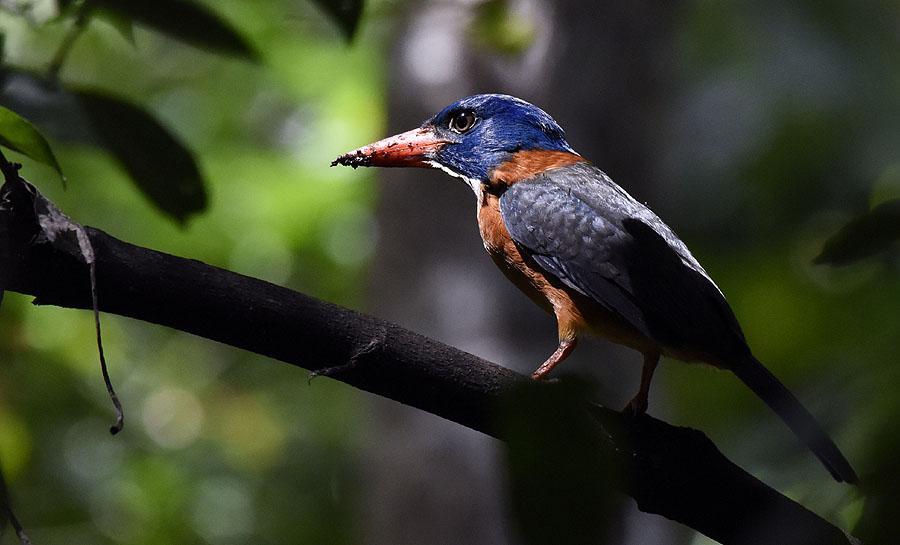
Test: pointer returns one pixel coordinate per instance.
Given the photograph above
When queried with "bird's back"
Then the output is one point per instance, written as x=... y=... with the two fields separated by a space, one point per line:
x=581 y=227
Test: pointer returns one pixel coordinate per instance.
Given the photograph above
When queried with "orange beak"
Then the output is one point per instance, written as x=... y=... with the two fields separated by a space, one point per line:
x=415 y=148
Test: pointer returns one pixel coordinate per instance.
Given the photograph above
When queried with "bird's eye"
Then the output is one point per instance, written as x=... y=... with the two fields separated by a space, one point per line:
x=462 y=121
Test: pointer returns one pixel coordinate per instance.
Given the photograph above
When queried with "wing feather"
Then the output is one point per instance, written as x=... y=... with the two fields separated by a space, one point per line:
x=580 y=227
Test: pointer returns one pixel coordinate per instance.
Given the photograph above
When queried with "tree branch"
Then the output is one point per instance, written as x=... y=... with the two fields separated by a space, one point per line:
x=671 y=471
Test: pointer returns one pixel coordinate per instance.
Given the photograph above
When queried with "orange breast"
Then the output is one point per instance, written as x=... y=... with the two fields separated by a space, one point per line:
x=548 y=294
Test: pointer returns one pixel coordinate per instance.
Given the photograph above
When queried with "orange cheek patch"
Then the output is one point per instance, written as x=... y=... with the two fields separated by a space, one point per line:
x=526 y=164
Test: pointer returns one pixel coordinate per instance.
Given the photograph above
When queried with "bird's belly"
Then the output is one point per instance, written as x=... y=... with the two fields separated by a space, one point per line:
x=572 y=310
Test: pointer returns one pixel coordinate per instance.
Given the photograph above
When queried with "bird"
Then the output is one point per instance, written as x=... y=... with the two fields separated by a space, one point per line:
x=587 y=252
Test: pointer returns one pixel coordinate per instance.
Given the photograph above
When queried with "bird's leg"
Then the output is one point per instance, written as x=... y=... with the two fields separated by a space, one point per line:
x=638 y=405
x=566 y=345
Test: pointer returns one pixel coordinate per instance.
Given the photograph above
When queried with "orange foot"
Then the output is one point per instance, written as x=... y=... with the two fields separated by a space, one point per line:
x=636 y=406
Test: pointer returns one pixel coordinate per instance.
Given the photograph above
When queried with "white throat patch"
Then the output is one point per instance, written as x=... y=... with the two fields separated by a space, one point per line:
x=474 y=183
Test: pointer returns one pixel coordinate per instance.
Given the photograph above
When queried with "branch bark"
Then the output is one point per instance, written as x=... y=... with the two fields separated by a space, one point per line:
x=671 y=471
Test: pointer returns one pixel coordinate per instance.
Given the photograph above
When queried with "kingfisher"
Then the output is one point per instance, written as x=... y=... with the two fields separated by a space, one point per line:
x=587 y=252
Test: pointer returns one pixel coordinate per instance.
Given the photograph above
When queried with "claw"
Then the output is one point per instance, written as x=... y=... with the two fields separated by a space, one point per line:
x=636 y=407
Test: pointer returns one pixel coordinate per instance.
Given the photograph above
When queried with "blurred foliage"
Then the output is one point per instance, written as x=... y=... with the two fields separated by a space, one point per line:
x=802 y=134
x=160 y=165
x=498 y=27
x=879 y=523
x=219 y=446
x=346 y=13
x=182 y=19
x=174 y=185
x=878 y=230
x=562 y=490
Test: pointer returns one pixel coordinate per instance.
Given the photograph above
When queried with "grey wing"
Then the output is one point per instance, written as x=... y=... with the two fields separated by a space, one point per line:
x=581 y=228
x=565 y=238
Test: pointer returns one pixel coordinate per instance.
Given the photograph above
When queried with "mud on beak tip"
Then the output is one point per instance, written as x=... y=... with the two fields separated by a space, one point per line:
x=355 y=159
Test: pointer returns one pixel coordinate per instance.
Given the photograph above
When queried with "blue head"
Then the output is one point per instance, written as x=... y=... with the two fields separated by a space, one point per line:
x=483 y=131
x=468 y=138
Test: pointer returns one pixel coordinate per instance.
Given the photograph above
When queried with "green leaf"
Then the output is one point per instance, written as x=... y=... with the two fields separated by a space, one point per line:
x=345 y=13
x=873 y=232
x=19 y=135
x=162 y=167
x=123 y=25
x=184 y=20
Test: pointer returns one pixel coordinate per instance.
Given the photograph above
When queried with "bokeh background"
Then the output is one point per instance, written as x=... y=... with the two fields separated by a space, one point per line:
x=755 y=129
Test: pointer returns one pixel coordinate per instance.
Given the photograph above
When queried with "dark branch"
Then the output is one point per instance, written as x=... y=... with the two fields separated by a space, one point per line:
x=675 y=472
